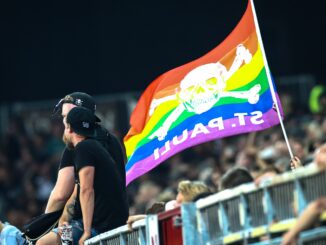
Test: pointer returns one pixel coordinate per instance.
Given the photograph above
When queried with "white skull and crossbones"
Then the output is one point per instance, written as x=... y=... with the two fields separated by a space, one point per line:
x=202 y=88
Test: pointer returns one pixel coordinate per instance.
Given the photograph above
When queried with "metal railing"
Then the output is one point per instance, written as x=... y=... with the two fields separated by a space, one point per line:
x=248 y=212
x=122 y=235
x=240 y=215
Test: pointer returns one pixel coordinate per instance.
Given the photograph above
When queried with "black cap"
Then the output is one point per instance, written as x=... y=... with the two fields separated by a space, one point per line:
x=82 y=121
x=78 y=99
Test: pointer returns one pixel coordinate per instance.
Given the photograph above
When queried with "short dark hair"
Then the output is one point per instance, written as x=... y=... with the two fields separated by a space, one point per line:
x=156 y=208
x=235 y=177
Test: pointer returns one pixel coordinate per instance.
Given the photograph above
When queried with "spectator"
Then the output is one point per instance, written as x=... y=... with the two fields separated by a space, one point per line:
x=187 y=190
x=266 y=174
x=99 y=190
x=319 y=158
x=156 y=208
x=28 y=158
x=65 y=181
x=235 y=177
x=313 y=211
x=308 y=217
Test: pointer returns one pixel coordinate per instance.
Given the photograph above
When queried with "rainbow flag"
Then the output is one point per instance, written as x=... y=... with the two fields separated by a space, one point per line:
x=223 y=93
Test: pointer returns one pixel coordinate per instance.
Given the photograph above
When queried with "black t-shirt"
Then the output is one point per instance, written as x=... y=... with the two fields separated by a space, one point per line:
x=110 y=205
x=111 y=144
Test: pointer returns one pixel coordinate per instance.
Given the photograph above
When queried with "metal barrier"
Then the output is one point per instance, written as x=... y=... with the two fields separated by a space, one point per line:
x=247 y=213
x=282 y=200
x=313 y=237
x=256 y=212
x=313 y=186
x=242 y=215
x=122 y=236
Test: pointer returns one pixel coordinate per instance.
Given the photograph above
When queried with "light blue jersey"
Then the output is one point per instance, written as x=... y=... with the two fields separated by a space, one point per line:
x=10 y=235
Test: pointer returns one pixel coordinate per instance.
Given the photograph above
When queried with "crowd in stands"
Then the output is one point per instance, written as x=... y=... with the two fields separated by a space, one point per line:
x=28 y=168
x=29 y=164
x=263 y=154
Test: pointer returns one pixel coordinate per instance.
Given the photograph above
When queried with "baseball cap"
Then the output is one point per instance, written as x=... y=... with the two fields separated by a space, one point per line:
x=82 y=121
x=78 y=99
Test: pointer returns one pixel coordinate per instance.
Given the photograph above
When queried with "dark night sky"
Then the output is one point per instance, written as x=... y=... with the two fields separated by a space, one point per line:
x=49 y=48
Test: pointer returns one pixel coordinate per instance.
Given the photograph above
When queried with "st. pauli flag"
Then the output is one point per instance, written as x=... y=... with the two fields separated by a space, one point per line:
x=223 y=93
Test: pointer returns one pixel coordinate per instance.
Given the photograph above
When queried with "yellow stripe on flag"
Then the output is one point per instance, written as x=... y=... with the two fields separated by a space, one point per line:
x=160 y=111
x=246 y=73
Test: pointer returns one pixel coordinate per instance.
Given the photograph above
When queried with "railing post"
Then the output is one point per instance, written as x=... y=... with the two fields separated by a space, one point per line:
x=224 y=223
x=268 y=206
x=122 y=239
x=245 y=218
x=203 y=233
x=152 y=230
x=189 y=224
x=101 y=241
x=299 y=197
x=142 y=236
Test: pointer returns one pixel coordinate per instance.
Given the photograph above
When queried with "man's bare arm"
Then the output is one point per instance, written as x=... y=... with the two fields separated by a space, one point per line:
x=308 y=217
x=62 y=190
x=86 y=178
x=68 y=211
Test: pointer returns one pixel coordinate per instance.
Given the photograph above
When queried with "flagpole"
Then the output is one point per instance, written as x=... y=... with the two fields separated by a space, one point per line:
x=260 y=41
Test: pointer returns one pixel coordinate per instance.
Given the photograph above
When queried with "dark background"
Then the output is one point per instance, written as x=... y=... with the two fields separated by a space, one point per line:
x=50 y=48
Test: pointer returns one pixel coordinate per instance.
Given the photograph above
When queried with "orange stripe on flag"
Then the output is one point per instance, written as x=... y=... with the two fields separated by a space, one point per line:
x=172 y=78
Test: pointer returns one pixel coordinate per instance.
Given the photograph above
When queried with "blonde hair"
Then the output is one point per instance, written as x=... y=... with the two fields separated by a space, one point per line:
x=190 y=189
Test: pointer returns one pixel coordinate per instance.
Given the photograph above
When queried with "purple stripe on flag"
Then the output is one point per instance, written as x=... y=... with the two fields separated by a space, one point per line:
x=231 y=127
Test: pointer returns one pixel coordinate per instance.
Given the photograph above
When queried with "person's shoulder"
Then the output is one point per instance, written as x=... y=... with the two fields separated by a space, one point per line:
x=86 y=143
x=101 y=132
x=66 y=151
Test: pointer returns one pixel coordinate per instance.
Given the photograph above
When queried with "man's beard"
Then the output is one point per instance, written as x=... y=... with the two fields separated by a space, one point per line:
x=68 y=143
